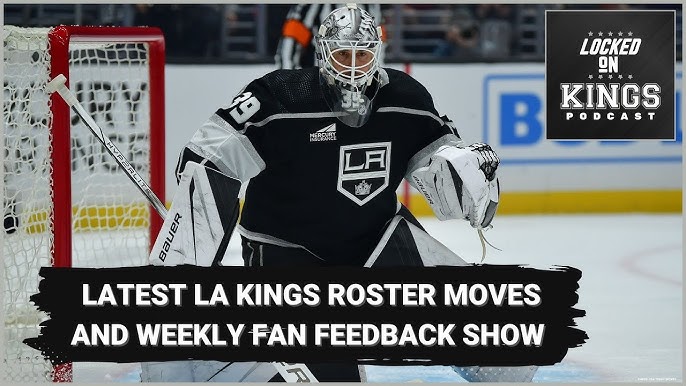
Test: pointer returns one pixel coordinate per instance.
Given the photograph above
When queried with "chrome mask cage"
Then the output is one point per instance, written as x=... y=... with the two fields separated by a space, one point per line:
x=354 y=74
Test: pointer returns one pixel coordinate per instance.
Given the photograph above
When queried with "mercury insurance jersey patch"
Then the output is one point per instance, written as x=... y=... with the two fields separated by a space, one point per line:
x=610 y=75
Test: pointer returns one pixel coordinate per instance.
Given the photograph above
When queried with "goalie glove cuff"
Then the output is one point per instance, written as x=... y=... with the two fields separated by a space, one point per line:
x=461 y=183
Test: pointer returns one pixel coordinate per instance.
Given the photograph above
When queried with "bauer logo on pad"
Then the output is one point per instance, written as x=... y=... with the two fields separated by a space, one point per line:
x=610 y=75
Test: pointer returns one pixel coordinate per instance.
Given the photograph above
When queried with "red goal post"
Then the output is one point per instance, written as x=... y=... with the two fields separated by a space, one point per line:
x=60 y=38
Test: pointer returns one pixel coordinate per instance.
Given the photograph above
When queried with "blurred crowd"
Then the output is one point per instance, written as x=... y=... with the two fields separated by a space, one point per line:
x=195 y=30
x=441 y=32
x=487 y=31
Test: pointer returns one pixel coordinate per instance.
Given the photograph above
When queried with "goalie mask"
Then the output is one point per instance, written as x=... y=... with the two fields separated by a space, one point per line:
x=347 y=52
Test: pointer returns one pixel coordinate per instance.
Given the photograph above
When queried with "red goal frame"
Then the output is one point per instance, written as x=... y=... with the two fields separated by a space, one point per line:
x=59 y=39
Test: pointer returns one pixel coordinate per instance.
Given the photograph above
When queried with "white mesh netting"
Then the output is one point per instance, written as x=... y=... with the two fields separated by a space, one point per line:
x=110 y=218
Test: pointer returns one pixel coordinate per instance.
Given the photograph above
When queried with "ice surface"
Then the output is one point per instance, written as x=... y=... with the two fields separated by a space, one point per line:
x=631 y=290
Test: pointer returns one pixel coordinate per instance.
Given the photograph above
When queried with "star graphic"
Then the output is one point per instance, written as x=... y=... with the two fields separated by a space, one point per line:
x=630 y=33
x=620 y=76
x=609 y=33
x=620 y=33
x=590 y=33
x=600 y=77
x=610 y=76
x=600 y=33
x=630 y=76
x=590 y=77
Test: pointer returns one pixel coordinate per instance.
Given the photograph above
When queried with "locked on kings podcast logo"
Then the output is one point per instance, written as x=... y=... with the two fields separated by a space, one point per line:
x=610 y=75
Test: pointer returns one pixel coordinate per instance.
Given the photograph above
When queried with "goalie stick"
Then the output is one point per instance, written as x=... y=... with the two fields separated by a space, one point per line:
x=59 y=84
x=291 y=372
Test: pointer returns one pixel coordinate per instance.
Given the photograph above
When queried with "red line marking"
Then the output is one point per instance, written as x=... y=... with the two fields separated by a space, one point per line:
x=630 y=264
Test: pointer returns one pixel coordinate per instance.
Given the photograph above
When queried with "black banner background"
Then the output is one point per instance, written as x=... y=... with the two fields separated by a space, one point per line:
x=60 y=295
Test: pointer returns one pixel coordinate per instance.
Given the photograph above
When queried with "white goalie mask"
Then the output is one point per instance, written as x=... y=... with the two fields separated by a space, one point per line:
x=348 y=45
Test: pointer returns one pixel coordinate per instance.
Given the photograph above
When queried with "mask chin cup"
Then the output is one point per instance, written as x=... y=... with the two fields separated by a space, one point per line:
x=352 y=107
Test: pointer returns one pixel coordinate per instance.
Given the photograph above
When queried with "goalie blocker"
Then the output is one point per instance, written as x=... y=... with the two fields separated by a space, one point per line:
x=403 y=242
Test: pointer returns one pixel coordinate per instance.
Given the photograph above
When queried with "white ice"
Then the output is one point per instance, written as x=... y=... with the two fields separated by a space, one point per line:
x=631 y=289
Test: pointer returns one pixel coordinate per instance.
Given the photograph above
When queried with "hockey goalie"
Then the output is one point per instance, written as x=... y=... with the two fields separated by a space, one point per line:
x=323 y=151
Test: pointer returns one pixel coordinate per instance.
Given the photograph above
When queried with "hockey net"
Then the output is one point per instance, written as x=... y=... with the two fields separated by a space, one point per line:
x=66 y=202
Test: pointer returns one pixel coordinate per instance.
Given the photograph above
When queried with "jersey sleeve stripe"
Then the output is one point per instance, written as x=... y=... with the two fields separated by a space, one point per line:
x=290 y=116
x=405 y=110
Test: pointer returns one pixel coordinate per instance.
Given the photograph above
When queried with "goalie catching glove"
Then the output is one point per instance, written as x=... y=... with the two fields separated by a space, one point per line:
x=461 y=183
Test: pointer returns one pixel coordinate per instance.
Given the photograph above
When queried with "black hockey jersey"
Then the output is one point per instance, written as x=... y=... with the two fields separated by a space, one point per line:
x=316 y=183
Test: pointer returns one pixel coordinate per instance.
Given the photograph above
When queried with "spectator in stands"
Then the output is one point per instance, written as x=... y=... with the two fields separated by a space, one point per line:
x=166 y=18
x=461 y=36
x=494 y=12
x=496 y=23
x=201 y=27
x=189 y=30
x=241 y=30
x=416 y=37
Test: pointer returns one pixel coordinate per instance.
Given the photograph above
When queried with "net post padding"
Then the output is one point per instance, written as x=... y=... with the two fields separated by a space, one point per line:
x=58 y=39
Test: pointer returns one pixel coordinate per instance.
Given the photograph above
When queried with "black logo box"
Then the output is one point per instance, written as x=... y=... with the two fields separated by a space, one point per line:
x=640 y=70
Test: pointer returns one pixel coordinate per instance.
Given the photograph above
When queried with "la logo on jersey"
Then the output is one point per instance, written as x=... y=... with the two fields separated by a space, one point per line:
x=364 y=170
